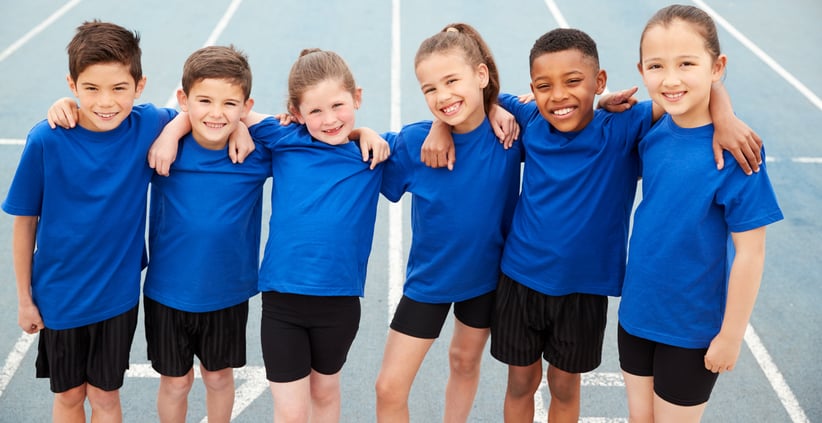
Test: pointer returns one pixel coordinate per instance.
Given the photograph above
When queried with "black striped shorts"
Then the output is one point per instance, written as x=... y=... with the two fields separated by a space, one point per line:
x=568 y=330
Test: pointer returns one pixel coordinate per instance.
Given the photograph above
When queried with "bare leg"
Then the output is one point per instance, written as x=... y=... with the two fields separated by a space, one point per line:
x=640 y=392
x=402 y=359
x=465 y=356
x=665 y=412
x=68 y=406
x=565 y=393
x=219 y=394
x=105 y=405
x=523 y=382
x=325 y=397
x=172 y=397
x=292 y=401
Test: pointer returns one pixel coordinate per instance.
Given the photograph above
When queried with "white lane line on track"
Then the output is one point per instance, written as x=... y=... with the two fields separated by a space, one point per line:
x=37 y=29
x=552 y=6
x=395 y=271
x=212 y=39
x=787 y=76
x=777 y=381
x=15 y=357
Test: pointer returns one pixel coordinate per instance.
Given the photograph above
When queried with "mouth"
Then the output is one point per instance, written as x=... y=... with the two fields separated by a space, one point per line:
x=105 y=116
x=452 y=109
x=565 y=111
x=333 y=131
x=213 y=125
x=673 y=96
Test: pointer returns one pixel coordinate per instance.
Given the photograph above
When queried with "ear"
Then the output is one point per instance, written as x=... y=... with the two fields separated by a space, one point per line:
x=484 y=75
x=639 y=68
x=602 y=81
x=358 y=97
x=293 y=111
x=141 y=85
x=72 y=85
x=719 y=67
x=247 y=106
x=182 y=100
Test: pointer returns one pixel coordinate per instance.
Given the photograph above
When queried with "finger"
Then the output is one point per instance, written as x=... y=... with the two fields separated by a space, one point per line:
x=452 y=157
x=719 y=157
x=741 y=158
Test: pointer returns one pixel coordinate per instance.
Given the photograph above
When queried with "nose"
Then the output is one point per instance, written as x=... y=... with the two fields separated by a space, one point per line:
x=671 y=78
x=558 y=92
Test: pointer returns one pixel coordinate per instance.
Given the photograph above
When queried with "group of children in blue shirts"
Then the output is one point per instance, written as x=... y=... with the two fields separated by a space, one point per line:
x=532 y=267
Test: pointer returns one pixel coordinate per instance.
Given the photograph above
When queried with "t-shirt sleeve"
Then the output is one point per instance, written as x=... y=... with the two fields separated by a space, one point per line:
x=523 y=112
x=269 y=132
x=397 y=170
x=630 y=126
x=749 y=201
x=25 y=196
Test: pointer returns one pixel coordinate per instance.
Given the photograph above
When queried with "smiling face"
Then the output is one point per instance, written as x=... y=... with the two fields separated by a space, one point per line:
x=215 y=107
x=565 y=84
x=453 y=89
x=106 y=93
x=327 y=110
x=678 y=72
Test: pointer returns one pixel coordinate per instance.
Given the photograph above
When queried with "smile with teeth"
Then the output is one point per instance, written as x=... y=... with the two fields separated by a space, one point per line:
x=564 y=111
x=214 y=125
x=106 y=115
x=451 y=109
x=333 y=131
x=673 y=96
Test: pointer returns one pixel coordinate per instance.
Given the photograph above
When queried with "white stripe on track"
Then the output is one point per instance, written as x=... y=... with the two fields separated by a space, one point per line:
x=212 y=39
x=783 y=391
x=787 y=76
x=15 y=357
x=395 y=271
x=552 y=6
x=37 y=29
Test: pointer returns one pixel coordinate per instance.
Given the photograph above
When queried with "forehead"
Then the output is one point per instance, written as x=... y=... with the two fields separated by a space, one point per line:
x=105 y=73
x=563 y=62
x=330 y=89
x=677 y=37
x=220 y=86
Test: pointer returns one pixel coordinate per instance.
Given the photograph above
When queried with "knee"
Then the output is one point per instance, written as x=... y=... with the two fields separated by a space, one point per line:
x=72 y=398
x=103 y=400
x=219 y=380
x=389 y=392
x=463 y=363
x=176 y=386
x=564 y=386
x=522 y=385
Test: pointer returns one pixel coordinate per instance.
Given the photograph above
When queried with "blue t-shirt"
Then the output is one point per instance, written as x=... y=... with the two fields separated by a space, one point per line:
x=323 y=208
x=570 y=228
x=676 y=283
x=459 y=218
x=89 y=190
x=204 y=229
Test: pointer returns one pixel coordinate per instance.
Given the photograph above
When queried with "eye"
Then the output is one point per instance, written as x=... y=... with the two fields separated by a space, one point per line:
x=428 y=90
x=451 y=81
x=653 y=66
x=337 y=105
x=542 y=87
x=231 y=103
x=574 y=81
x=685 y=64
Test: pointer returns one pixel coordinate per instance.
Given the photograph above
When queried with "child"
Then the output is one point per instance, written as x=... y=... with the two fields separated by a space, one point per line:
x=204 y=240
x=459 y=80
x=323 y=209
x=81 y=194
x=687 y=298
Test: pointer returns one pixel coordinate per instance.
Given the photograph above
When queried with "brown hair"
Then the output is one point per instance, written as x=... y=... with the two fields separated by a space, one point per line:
x=218 y=62
x=702 y=22
x=314 y=66
x=100 y=42
x=464 y=39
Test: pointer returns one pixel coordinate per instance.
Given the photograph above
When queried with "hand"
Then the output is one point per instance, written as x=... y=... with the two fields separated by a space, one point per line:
x=285 y=119
x=525 y=98
x=438 y=148
x=618 y=101
x=64 y=113
x=741 y=141
x=504 y=125
x=722 y=354
x=373 y=147
x=240 y=144
x=29 y=319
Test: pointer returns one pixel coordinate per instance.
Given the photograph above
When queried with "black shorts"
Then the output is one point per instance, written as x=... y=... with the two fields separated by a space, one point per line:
x=680 y=376
x=568 y=330
x=424 y=320
x=300 y=333
x=174 y=337
x=96 y=354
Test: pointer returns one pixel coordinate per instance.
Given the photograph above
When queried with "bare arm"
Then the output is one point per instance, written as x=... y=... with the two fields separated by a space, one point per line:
x=23 y=239
x=372 y=145
x=438 y=148
x=743 y=287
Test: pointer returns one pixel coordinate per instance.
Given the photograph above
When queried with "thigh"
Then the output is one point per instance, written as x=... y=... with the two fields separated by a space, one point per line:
x=332 y=332
x=168 y=342
x=420 y=320
x=576 y=332
x=476 y=312
x=62 y=356
x=285 y=341
x=513 y=341
x=110 y=350
x=222 y=342
x=680 y=376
